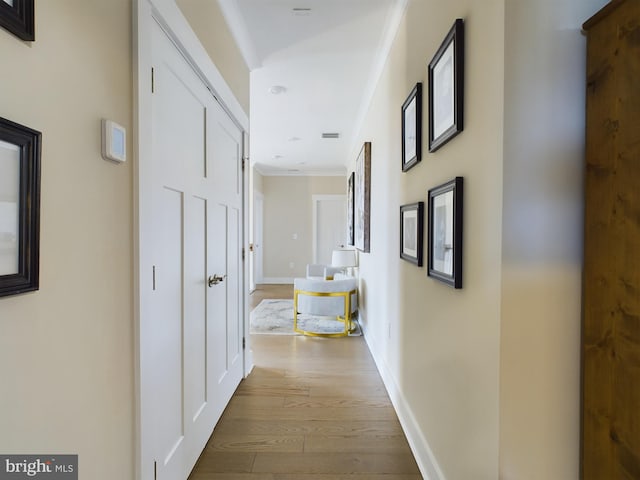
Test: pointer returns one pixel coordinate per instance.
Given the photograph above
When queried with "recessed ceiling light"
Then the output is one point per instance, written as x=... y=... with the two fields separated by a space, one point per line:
x=330 y=135
x=277 y=156
x=277 y=89
x=294 y=139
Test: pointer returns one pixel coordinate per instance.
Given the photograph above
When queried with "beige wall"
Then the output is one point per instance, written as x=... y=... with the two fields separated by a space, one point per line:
x=288 y=209
x=66 y=351
x=440 y=346
x=258 y=181
x=542 y=238
x=206 y=20
x=486 y=378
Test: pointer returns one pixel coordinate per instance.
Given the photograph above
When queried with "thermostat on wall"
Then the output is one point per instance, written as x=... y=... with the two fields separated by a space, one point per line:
x=114 y=141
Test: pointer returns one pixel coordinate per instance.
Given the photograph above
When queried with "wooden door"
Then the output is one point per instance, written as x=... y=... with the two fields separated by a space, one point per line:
x=611 y=324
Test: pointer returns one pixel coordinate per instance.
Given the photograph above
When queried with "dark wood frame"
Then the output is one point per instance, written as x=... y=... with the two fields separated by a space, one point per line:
x=19 y=19
x=419 y=209
x=362 y=200
x=455 y=36
x=350 y=209
x=29 y=143
x=415 y=95
x=455 y=186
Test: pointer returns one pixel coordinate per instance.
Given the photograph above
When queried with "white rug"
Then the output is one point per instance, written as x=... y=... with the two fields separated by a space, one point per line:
x=275 y=317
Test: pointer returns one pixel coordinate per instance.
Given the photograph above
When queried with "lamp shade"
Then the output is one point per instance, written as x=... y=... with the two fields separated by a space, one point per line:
x=343 y=258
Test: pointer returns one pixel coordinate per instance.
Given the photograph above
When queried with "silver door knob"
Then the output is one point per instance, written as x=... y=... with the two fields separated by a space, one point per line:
x=216 y=279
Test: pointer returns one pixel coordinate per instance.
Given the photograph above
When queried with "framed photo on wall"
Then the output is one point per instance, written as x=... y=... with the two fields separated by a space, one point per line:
x=350 y=204
x=412 y=128
x=362 y=199
x=18 y=17
x=445 y=233
x=411 y=232
x=446 y=88
x=19 y=208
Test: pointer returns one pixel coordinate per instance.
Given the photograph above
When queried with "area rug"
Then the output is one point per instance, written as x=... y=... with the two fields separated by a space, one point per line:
x=275 y=317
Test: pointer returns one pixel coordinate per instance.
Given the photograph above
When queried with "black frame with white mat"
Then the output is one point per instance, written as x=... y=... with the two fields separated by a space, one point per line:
x=445 y=232
x=411 y=232
x=19 y=208
x=446 y=88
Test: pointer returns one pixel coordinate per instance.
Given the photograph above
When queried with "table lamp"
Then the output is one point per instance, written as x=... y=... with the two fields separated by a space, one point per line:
x=343 y=259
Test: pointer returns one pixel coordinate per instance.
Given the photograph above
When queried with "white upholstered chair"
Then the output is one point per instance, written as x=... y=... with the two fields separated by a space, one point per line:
x=331 y=298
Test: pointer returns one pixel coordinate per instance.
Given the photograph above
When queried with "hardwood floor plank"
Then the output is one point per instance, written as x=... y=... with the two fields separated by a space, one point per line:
x=231 y=476
x=335 y=402
x=224 y=462
x=335 y=463
x=350 y=476
x=308 y=414
x=256 y=443
x=355 y=443
x=293 y=427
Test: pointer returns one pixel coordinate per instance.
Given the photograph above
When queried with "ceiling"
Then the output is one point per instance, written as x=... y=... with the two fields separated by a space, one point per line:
x=314 y=66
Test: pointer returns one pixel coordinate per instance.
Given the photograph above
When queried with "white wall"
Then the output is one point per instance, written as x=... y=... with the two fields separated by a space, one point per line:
x=542 y=238
x=288 y=210
x=66 y=351
x=486 y=379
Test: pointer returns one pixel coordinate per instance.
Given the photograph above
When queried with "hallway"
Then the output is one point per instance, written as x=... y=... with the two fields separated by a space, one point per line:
x=313 y=409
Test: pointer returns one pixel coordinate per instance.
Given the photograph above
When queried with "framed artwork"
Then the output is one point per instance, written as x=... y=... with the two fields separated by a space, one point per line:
x=412 y=128
x=19 y=208
x=17 y=17
x=350 y=203
x=446 y=88
x=445 y=233
x=362 y=198
x=411 y=232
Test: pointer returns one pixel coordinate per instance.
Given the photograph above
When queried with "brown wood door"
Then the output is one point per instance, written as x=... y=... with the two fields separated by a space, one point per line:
x=611 y=308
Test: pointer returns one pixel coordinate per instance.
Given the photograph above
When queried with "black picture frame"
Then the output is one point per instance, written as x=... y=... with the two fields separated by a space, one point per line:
x=412 y=128
x=350 y=208
x=445 y=205
x=446 y=88
x=411 y=232
x=362 y=199
x=19 y=19
x=19 y=208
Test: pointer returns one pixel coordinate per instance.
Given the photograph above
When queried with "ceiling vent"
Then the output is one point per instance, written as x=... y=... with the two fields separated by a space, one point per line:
x=301 y=11
x=330 y=135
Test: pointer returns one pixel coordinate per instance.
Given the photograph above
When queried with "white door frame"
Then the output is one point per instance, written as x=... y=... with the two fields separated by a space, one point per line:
x=169 y=16
x=316 y=199
x=258 y=235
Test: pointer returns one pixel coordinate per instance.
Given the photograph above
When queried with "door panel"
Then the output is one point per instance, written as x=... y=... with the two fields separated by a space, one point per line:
x=169 y=327
x=195 y=338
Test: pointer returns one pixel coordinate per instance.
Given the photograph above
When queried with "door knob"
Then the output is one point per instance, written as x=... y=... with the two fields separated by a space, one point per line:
x=216 y=279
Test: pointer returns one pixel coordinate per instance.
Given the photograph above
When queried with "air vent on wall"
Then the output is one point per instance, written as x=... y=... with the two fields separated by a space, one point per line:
x=330 y=135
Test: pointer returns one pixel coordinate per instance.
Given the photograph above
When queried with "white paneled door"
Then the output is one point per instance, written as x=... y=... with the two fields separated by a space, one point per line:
x=192 y=357
x=329 y=226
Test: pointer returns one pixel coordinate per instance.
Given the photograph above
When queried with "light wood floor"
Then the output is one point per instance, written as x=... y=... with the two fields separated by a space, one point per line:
x=312 y=409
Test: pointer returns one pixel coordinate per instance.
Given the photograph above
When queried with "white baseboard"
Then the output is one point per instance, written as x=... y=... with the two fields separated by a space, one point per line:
x=276 y=280
x=417 y=442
